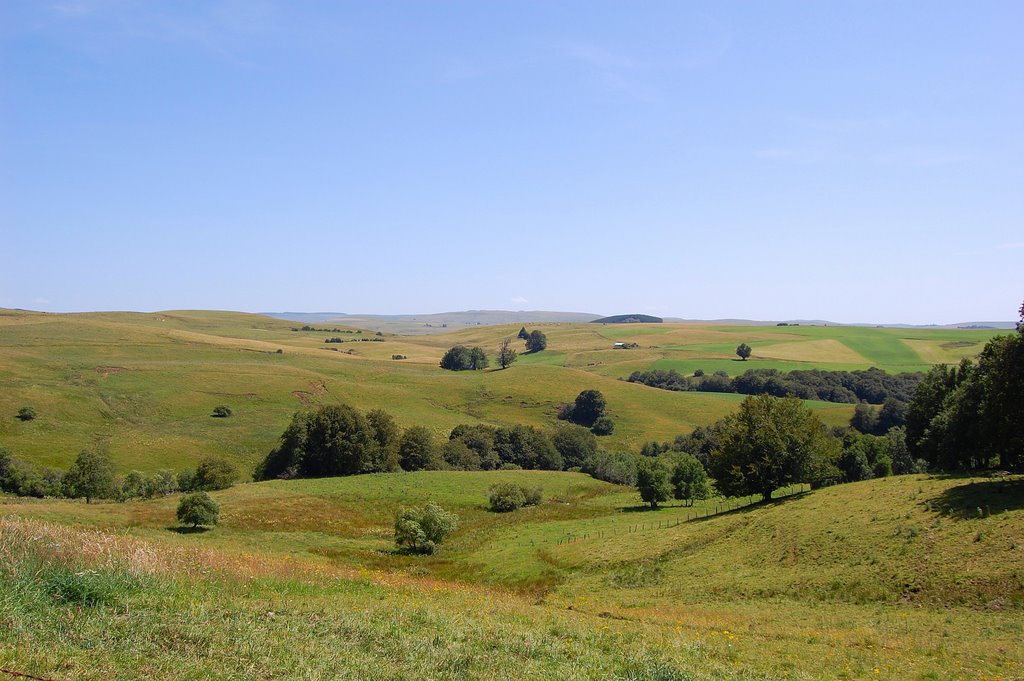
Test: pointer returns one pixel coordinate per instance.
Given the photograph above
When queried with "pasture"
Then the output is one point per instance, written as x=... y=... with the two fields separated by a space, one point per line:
x=142 y=386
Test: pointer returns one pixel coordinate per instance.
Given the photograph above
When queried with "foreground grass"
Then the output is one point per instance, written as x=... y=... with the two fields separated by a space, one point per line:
x=916 y=577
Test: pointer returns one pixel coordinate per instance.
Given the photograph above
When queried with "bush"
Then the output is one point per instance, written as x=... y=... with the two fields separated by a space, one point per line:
x=221 y=412
x=505 y=497
x=198 y=509
x=508 y=496
x=27 y=413
x=603 y=426
x=420 y=530
x=214 y=473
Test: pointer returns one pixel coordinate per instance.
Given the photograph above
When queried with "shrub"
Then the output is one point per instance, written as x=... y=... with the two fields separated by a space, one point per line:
x=27 y=413
x=420 y=530
x=505 y=496
x=133 y=486
x=603 y=426
x=221 y=412
x=198 y=509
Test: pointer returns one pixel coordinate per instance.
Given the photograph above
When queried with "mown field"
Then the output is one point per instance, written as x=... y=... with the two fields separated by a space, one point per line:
x=142 y=386
x=912 y=577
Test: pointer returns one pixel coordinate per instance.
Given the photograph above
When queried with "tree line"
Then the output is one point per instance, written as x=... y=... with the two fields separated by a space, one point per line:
x=92 y=476
x=873 y=385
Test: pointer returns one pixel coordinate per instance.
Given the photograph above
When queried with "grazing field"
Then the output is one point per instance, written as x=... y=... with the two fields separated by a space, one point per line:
x=142 y=386
x=912 y=577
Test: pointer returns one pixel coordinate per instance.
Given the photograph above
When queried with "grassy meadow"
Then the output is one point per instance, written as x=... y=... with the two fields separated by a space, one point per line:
x=142 y=386
x=913 y=577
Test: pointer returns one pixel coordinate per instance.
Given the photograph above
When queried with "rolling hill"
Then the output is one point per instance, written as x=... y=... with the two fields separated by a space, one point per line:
x=143 y=386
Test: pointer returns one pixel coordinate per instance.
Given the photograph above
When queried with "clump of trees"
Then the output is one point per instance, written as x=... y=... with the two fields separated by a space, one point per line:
x=333 y=440
x=461 y=358
x=536 y=341
x=969 y=417
x=507 y=496
x=198 y=508
x=422 y=529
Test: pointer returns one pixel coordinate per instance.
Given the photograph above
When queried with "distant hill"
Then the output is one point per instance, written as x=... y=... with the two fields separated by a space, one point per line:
x=439 y=322
x=629 y=319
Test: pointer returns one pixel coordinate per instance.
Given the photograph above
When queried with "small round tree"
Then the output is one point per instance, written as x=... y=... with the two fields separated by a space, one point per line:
x=603 y=426
x=26 y=413
x=743 y=350
x=421 y=529
x=221 y=411
x=652 y=481
x=198 y=509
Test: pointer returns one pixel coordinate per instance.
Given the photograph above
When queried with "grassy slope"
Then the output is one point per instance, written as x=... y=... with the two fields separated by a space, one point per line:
x=897 y=574
x=143 y=385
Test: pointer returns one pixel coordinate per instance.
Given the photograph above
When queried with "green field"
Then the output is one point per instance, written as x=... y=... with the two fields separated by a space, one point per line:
x=891 y=578
x=142 y=386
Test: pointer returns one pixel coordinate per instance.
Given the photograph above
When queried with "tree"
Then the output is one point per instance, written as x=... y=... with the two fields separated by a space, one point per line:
x=743 y=351
x=421 y=529
x=91 y=476
x=536 y=342
x=198 y=509
x=214 y=473
x=478 y=359
x=689 y=479
x=524 y=334
x=161 y=484
x=459 y=456
x=508 y=496
x=26 y=413
x=769 y=443
x=589 y=406
x=385 y=437
x=133 y=486
x=506 y=355
x=221 y=411
x=417 y=450
x=652 y=481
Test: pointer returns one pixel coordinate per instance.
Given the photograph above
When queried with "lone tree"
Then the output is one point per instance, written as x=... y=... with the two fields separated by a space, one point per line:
x=537 y=341
x=221 y=411
x=652 y=481
x=769 y=443
x=198 y=509
x=743 y=351
x=524 y=334
x=91 y=476
x=421 y=529
x=26 y=413
x=506 y=355
x=588 y=408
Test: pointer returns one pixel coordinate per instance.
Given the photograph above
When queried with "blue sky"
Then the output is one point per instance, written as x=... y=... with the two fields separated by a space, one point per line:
x=853 y=161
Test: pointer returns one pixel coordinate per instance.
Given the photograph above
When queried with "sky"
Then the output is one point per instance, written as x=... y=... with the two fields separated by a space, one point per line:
x=855 y=162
